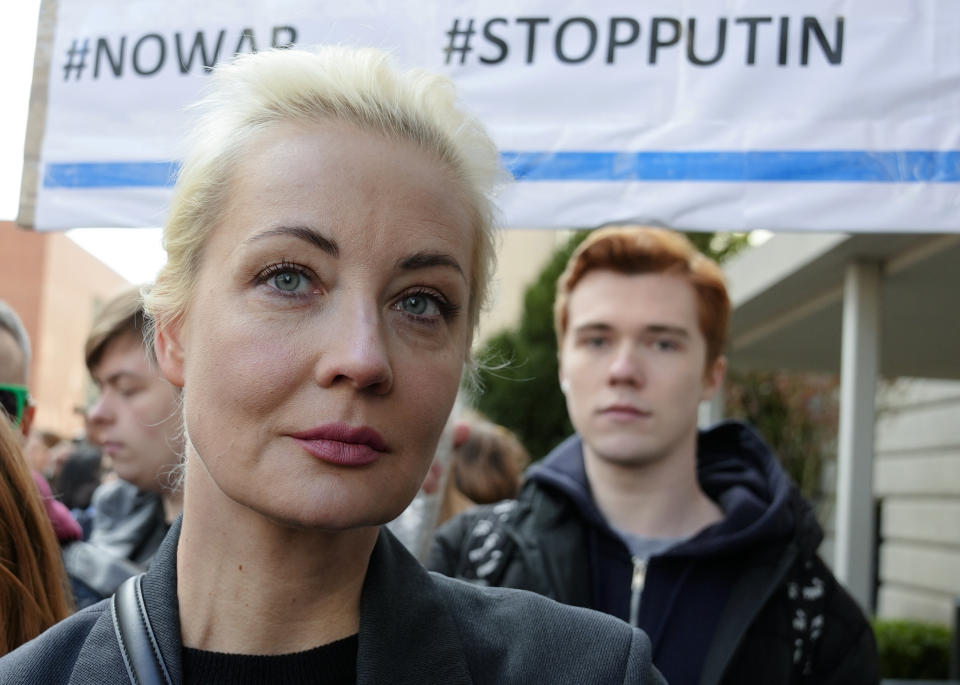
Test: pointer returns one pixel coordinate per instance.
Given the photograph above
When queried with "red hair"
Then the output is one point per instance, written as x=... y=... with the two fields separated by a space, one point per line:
x=641 y=250
x=33 y=583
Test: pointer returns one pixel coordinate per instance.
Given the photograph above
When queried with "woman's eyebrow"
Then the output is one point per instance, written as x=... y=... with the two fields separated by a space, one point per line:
x=304 y=233
x=424 y=260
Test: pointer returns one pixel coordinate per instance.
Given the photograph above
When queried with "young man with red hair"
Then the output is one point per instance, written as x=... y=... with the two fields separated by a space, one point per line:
x=698 y=537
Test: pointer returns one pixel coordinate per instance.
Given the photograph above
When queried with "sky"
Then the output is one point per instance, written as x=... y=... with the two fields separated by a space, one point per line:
x=135 y=254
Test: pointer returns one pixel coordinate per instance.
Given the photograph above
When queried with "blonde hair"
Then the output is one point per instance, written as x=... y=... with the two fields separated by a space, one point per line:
x=332 y=83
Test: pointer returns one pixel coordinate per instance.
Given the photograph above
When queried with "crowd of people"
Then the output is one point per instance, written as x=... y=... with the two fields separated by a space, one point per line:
x=279 y=393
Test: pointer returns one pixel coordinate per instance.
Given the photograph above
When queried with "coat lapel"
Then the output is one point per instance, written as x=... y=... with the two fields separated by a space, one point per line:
x=407 y=634
x=160 y=599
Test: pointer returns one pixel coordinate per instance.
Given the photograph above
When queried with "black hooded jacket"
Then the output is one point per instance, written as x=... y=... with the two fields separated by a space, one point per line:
x=746 y=600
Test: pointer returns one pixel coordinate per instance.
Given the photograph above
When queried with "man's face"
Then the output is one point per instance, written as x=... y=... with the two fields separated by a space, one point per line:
x=633 y=365
x=136 y=419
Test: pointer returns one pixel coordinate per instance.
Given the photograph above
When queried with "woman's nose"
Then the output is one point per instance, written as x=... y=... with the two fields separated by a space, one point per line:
x=357 y=353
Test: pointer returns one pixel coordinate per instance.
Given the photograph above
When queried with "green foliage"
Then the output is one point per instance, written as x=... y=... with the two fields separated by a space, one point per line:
x=913 y=650
x=519 y=384
x=796 y=413
x=519 y=387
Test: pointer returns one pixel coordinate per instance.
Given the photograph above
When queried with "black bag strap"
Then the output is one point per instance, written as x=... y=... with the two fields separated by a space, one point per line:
x=138 y=645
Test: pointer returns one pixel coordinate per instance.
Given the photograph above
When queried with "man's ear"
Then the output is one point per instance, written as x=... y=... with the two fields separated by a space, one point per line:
x=713 y=378
x=168 y=347
x=560 y=379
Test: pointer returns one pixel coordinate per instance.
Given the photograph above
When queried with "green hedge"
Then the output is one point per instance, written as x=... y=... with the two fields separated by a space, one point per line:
x=913 y=650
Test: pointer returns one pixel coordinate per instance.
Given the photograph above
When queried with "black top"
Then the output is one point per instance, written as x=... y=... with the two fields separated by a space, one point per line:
x=331 y=664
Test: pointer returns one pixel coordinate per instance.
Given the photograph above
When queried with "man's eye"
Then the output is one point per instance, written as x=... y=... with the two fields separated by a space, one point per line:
x=666 y=345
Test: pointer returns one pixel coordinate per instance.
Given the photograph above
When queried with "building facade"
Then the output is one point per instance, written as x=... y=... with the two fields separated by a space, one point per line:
x=55 y=286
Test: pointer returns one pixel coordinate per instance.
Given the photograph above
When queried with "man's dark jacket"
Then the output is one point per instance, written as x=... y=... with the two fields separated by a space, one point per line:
x=128 y=527
x=746 y=600
x=415 y=627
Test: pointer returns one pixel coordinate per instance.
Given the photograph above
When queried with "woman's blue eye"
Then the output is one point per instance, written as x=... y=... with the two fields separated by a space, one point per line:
x=419 y=305
x=287 y=281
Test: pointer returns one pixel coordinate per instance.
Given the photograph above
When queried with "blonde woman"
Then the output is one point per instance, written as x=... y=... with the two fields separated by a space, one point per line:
x=329 y=249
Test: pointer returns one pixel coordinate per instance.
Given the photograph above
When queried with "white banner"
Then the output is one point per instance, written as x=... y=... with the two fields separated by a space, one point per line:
x=700 y=115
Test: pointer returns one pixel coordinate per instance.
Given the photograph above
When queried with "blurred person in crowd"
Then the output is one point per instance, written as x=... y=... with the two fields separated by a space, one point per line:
x=19 y=410
x=33 y=586
x=80 y=475
x=699 y=538
x=14 y=369
x=79 y=478
x=136 y=421
x=59 y=454
x=39 y=451
x=329 y=247
x=485 y=466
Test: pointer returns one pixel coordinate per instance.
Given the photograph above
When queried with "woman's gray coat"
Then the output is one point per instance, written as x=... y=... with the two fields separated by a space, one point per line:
x=415 y=627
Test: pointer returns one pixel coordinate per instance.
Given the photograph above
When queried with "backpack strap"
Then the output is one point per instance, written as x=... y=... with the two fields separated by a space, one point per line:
x=141 y=655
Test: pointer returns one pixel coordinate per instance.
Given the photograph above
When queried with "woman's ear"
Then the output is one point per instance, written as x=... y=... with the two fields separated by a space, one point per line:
x=169 y=350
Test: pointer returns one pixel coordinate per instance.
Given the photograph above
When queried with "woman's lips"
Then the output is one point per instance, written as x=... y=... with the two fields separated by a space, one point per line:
x=343 y=445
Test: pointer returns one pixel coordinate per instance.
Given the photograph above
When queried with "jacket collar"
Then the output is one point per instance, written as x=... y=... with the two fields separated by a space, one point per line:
x=407 y=634
x=563 y=470
x=736 y=469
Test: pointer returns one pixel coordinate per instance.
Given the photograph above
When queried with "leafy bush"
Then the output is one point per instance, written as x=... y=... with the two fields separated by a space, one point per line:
x=913 y=650
x=519 y=387
x=795 y=412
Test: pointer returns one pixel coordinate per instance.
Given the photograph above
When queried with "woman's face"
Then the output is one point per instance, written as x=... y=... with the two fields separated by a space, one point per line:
x=324 y=343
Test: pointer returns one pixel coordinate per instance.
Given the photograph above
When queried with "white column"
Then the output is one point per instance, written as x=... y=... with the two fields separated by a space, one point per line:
x=858 y=381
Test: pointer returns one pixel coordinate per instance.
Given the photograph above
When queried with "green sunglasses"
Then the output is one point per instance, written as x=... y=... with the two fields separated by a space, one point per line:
x=13 y=400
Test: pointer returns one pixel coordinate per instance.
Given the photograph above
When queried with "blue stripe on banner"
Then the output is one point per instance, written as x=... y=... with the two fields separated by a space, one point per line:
x=862 y=166
x=796 y=166
x=110 y=175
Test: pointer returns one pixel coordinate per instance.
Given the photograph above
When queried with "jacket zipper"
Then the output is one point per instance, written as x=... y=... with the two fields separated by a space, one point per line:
x=636 y=588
